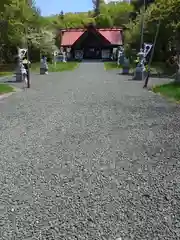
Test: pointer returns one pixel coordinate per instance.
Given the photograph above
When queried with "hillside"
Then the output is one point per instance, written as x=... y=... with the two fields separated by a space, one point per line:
x=112 y=14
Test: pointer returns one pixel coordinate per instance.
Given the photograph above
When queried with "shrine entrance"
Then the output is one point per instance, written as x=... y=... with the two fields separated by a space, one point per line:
x=91 y=44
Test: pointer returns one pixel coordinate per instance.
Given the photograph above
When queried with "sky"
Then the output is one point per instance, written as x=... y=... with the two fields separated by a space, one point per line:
x=49 y=7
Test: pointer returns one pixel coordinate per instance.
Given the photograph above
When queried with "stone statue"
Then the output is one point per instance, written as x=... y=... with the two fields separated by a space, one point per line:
x=55 y=57
x=120 y=56
x=64 y=56
x=20 y=68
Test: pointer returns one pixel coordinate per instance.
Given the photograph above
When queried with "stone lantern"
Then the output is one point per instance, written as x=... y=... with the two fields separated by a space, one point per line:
x=120 y=56
x=140 y=68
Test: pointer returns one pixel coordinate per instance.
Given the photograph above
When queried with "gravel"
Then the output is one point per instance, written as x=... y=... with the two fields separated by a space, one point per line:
x=89 y=155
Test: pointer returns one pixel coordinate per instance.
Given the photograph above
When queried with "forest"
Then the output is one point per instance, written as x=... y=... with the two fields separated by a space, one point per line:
x=22 y=24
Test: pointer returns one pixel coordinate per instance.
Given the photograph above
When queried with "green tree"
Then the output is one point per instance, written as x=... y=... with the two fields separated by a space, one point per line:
x=61 y=15
x=169 y=13
x=97 y=6
x=138 y=4
x=119 y=12
x=103 y=21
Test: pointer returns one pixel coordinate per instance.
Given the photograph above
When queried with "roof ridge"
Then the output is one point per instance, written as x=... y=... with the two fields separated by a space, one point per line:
x=84 y=29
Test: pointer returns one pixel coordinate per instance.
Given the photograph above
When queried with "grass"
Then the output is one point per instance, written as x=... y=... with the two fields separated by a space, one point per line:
x=59 y=67
x=4 y=74
x=111 y=65
x=69 y=66
x=156 y=68
x=170 y=90
x=162 y=68
x=4 y=88
x=7 y=70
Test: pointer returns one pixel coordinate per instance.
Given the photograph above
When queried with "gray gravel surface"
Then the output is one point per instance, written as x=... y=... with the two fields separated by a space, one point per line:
x=89 y=155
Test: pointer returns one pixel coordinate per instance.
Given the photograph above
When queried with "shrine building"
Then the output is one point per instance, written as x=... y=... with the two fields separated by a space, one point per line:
x=91 y=42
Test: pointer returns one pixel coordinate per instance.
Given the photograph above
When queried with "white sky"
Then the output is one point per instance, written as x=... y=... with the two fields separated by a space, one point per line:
x=107 y=1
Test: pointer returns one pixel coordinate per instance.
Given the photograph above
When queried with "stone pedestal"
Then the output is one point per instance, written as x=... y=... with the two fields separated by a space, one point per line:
x=140 y=73
x=125 y=70
x=43 y=67
x=126 y=66
x=19 y=72
x=42 y=71
x=177 y=77
x=19 y=77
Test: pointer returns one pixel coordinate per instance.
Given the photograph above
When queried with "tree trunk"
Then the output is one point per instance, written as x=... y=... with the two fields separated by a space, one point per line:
x=177 y=78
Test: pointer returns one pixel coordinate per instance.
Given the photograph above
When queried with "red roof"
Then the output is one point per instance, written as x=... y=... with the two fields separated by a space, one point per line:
x=70 y=36
x=114 y=36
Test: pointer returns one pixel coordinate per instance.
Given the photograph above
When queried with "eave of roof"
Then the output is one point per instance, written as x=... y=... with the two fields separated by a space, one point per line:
x=70 y=36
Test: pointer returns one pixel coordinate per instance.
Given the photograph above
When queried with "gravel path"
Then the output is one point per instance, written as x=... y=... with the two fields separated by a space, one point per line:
x=89 y=155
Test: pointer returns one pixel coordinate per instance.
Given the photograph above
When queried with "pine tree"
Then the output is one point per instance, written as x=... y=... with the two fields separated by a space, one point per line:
x=61 y=15
x=97 y=4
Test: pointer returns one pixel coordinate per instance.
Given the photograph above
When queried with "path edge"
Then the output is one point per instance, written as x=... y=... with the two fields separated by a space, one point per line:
x=6 y=95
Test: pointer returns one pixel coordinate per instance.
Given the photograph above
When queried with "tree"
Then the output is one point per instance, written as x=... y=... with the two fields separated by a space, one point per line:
x=139 y=3
x=119 y=12
x=103 y=21
x=20 y=17
x=61 y=15
x=97 y=5
x=169 y=12
x=44 y=41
